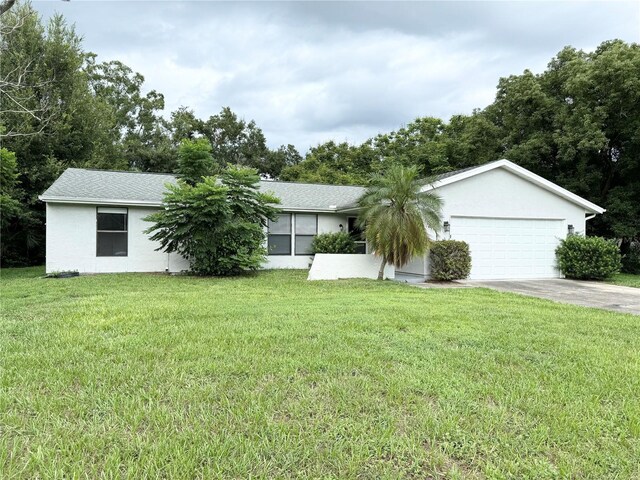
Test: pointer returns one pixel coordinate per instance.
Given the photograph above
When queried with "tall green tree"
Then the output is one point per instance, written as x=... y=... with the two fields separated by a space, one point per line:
x=330 y=162
x=236 y=142
x=577 y=124
x=418 y=143
x=70 y=127
x=142 y=135
x=219 y=224
x=471 y=140
x=277 y=160
x=14 y=214
x=195 y=160
x=422 y=143
x=396 y=211
x=185 y=124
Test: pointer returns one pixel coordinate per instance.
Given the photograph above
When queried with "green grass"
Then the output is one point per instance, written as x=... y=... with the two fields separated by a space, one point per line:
x=270 y=376
x=626 y=279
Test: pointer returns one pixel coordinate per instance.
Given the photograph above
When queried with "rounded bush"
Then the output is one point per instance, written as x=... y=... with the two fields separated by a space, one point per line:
x=631 y=260
x=588 y=258
x=339 y=242
x=450 y=260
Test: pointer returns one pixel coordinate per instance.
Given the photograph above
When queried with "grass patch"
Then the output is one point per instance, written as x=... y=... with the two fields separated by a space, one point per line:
x=267 y=376
x=626 y=279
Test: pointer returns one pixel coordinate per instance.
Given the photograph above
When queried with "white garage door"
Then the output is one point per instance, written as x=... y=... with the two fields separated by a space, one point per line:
x=509 y=247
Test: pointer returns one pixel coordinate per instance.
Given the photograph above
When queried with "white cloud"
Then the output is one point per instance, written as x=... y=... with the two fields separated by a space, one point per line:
x=309 y=72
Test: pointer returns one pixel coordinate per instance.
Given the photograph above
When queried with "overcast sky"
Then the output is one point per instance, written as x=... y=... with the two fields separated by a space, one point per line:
x=308 y=72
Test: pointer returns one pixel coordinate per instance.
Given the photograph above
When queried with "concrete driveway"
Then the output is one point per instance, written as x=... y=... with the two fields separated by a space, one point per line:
x=588 y=294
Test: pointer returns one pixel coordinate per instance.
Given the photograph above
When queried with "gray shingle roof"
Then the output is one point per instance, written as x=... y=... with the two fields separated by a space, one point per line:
x=86 y=185
x=101 y=186
x=313 y=195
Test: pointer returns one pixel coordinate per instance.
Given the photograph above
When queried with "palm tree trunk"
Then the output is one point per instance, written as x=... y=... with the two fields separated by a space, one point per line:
x=381 y=271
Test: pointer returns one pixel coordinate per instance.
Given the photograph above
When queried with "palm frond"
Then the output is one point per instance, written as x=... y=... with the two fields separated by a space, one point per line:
x=395 y=212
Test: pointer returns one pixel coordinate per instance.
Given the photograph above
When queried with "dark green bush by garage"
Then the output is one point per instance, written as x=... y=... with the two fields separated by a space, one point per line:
x=588 y=258
x=449 y=260
x=339 y=242
x=631 y=260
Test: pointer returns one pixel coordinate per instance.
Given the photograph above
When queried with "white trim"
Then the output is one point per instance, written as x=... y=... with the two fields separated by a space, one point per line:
x=100 y=201
x=292 y=239
x=502 y=217
x=348 y=210
x=144 y=203
x=306 y=210
x=113 y=210
x=523 y=173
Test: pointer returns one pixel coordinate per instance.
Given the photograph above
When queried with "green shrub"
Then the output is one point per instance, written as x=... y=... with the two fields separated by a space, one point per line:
x=588 y=258
x=631 y=260
x=450 y=260
x=218 y=224
x=339 y=242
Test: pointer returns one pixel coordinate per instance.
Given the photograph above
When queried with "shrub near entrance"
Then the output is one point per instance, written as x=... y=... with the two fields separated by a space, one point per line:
x=339 y=242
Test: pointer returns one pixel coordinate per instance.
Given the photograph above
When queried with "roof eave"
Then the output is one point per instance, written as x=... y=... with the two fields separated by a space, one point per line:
x=99 y=201
x=144 y=203
x=285 y=208
x=349 y=209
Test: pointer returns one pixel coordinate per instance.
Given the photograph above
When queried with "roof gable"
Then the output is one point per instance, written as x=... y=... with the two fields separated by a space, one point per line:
x=521 y=172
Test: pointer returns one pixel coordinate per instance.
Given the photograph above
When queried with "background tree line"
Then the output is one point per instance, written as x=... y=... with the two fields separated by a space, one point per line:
x=61 y=107
x=577 y=124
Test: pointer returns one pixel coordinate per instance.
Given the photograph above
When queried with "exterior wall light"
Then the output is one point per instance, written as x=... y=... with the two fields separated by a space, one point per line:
x=571 y=230
x=447 y=227
x=341 y=227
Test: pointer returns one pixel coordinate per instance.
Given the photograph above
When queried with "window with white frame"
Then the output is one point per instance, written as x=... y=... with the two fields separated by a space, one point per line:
x=112 y=234
x=306 y=229
x=279 y=238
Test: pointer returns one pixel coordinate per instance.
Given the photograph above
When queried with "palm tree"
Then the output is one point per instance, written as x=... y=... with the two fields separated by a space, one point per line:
x=394 y=213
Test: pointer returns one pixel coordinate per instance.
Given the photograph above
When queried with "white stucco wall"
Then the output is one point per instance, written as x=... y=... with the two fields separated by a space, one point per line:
x=499 y=193
x=330 y=266
x=71 y=243
x=327 y=223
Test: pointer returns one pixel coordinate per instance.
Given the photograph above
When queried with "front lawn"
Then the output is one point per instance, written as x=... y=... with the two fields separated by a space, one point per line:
x=270 y=376
x=626 y=279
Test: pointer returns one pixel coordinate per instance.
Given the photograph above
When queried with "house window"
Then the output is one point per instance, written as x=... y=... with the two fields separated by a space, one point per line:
x=279 y=240
x=306 y=229
x=356 y=233
x=112 y=236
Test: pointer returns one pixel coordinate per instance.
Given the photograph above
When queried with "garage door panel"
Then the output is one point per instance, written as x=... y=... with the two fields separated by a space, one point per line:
x=509 y=248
